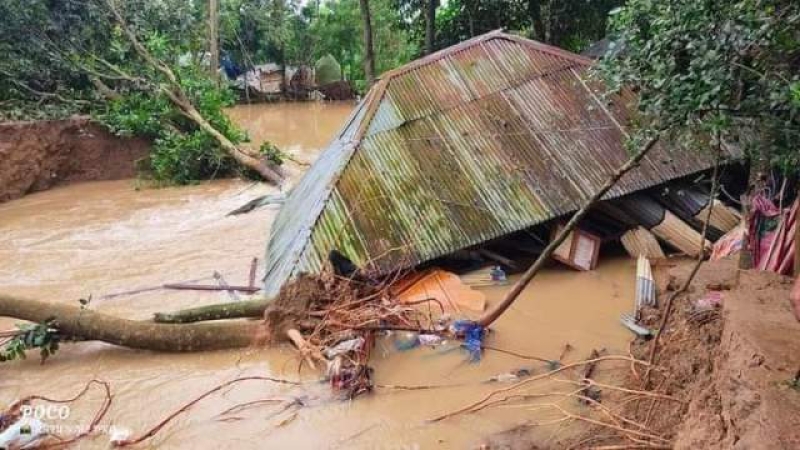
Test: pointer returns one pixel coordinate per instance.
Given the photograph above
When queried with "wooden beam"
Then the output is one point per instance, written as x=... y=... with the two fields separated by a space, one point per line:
x=498 y=258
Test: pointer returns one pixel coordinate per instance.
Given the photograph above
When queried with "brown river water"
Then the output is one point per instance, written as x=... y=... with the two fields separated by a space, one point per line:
x=102 y=238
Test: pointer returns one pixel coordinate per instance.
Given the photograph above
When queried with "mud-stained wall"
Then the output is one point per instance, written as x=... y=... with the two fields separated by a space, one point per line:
x=38 y=155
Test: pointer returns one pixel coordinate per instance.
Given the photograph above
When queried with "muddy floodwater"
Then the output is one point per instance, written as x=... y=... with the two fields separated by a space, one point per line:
x=103 y=238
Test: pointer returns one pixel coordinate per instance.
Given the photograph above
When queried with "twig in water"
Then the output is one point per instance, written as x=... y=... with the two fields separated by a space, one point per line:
x=513 y=353
x=152 y=431
x=92 y=425
x=532 y=379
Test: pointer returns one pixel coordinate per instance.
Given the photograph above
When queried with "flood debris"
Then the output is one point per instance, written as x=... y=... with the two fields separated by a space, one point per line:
x=770 y=236
x=74 y=322
x=20 y=428
x=642 y=210
x=334 y=321
x=259 y=202
x=580 y=250
x=773 y=235
x=645 y=284
x=486 y=276
x=630 y=322
x=692 y=205
x=442 y=288
x=639 y=241
x=210 y=287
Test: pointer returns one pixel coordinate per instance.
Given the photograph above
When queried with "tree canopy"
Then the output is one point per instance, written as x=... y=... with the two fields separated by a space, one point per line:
x=714 y=66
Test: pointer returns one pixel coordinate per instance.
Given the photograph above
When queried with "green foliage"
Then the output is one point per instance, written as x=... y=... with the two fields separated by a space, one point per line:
x=570 y=24
x=272 y=153
x=336 y=28
x=42 y=336
x=327 y=70
x=717 y=66
x=182 y=153
x=35 y=82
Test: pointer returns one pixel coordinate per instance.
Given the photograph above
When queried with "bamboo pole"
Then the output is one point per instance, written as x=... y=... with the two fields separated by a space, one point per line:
x=492 y=315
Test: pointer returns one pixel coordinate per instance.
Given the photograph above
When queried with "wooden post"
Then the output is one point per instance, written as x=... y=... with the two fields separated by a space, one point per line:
x=430 y=25
x=746 y=254
x=369 y=52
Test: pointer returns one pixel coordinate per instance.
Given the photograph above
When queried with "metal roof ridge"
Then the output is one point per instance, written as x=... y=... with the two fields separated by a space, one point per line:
x=379 y=88
x=477 y=40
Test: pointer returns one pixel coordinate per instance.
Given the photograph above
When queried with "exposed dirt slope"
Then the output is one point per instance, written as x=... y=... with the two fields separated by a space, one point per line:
x=39 y=155
x=730 y=368
x=749 y=403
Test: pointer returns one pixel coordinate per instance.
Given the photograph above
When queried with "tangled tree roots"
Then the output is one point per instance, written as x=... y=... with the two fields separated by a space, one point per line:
x=333 y=320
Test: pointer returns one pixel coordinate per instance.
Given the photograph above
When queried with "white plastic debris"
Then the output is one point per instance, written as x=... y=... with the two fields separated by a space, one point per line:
x=334 y=367
x=512 y=376
x=344 y=347
x=429 y=339
x=630 y=322
x=118 y=434
x=25 y=433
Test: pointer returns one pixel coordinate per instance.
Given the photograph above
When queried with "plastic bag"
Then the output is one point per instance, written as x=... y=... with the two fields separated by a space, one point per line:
x=25 y=433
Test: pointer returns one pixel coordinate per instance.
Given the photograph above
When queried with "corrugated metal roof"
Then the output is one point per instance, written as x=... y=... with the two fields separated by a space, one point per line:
x=482 y=139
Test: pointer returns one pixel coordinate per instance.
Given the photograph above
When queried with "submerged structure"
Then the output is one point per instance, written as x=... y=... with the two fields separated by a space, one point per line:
x=479 y=140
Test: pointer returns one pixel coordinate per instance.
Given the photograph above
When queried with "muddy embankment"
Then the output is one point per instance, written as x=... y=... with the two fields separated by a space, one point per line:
x=35 y=156
x=748 y=401
x=732 y=367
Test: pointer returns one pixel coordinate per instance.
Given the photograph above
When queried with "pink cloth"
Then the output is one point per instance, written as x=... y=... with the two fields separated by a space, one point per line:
x=764 y=206
x=729 y=244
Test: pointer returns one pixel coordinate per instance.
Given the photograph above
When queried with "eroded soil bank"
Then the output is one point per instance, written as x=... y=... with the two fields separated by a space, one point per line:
x=746 y=400
x=38 y=155
x=730 y=368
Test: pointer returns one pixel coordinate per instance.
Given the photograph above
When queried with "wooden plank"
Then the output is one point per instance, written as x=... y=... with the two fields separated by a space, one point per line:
x=498 y=258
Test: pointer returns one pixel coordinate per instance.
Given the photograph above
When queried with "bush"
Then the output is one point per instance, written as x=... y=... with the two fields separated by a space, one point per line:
x=182 y=153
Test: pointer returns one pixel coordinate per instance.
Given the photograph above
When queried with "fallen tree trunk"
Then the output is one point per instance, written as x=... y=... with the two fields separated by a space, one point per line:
x=174 y=91
x=234 y=310
x=86 y=324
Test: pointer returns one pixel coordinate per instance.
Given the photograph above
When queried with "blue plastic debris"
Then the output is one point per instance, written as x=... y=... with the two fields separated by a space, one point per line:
x=406 y=340
x=473 y=334
x=498 y=274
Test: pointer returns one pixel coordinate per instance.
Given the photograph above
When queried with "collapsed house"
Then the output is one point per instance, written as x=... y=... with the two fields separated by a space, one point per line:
x=274 y=79
x=489 y=137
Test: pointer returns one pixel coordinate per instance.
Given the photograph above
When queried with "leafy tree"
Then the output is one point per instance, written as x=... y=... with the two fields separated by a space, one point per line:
x=76 y=56
x=570 y=24
x=715 y=66
x=337 y=30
